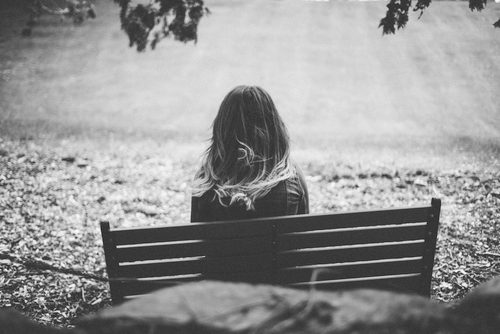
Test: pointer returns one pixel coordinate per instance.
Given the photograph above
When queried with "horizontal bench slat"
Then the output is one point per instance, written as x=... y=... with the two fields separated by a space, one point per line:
x=408 y=284
x=195 y=231
x=141 y=287
x=348 y=254
x=350 y=236
x=258 y=276
x=226 y=247
x=207 y=266
x=185 y=266
x=352 y=219
x=350 y=270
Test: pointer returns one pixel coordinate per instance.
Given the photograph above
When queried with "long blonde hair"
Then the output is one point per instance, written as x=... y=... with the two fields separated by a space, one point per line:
x=249 y=152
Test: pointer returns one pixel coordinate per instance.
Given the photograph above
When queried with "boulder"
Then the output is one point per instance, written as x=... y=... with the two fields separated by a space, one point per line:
x=221 y=307
x=13 y=322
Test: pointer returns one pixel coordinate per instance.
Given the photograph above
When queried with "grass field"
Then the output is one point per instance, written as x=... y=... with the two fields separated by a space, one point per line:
x=340 y=85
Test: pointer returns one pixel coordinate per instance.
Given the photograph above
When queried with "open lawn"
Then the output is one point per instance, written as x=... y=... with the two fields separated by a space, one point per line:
x=337 y=81
x=90 y=129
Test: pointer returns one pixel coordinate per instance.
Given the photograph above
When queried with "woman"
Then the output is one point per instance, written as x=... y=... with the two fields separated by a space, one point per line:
x=247 y=172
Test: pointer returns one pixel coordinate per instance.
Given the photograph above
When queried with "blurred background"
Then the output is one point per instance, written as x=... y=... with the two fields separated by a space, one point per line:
x=339 y=84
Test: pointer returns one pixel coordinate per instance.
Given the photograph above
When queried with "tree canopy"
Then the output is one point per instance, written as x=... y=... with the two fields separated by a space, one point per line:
x=148 y=24
x=398 y=10
x=144 y=24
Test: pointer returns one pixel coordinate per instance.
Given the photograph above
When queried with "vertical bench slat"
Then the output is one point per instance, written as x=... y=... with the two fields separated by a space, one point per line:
x=109 y=245
x=430 y=246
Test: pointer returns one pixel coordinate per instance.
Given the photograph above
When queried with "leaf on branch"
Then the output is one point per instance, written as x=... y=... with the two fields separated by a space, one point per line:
x=477 y=5
x=402 y=13
x=402 y=20
x=388 y=24
x=397 y=13
x=78 y=10
x=138 y=23
x=123 y=9
x=148 y=24
x=421 y=5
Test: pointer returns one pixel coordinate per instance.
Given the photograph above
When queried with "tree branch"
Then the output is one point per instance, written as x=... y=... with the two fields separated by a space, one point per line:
x=489 y=254
x=41 y=265
x=61 y=11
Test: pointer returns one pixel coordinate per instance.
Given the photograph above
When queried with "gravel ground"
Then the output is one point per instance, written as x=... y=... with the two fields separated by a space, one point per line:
x=53 y=196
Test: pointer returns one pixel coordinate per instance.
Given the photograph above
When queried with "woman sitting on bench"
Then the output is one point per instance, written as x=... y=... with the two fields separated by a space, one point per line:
x=247 y=171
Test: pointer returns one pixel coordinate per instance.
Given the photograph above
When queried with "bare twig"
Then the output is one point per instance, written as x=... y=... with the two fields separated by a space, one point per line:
x=59 y=11
x=41 y=265
x=489 y=254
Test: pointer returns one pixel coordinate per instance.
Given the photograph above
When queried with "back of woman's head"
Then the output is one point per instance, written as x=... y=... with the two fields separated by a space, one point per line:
x=249 y=151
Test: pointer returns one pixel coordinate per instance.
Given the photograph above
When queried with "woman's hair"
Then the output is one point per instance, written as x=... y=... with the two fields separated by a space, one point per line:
x=249 y=152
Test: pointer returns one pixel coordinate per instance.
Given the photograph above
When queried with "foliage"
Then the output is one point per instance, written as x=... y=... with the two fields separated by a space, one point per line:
x=398 y=10
x=144 y=24
x=52 y=198
x=148 y=24
x=77 y=10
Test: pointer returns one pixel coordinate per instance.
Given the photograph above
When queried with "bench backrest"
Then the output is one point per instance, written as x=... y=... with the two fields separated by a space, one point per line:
x=387 y=249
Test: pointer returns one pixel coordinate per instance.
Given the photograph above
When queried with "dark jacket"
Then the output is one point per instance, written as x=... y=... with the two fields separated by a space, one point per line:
x=288 y=197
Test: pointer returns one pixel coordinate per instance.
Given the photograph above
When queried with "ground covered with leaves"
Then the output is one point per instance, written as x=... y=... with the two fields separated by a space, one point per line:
x=52 y=198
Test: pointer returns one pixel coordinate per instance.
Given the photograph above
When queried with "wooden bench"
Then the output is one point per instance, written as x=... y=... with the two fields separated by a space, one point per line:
x=386 y=249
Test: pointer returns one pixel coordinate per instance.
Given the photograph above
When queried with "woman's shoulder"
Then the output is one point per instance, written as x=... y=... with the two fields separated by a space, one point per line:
x=298 y=179
x=297 y=170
